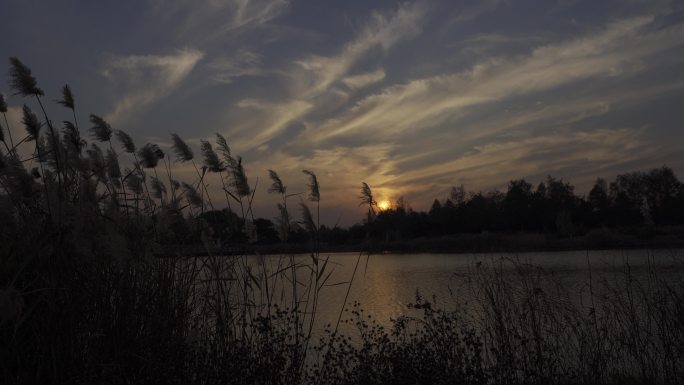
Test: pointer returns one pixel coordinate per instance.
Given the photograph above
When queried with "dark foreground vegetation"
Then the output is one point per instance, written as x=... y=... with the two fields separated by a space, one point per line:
x=85 y=300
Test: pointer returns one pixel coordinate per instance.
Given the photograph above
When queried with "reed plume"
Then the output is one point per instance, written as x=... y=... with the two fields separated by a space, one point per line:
x=158 y=151
x=149 y=156
x=101 y=130
x=72 y=138
x=183 y=151
x=367 y=199
x=283 y=220
x=30 y=121
x=67 y=98
x=223 y=147
x=3 y=109
x=211 y=160
x=367 y=195
x=277 y=186
x=126 y=141
x=239 y=181
x=314 y=192
x=113 y=168
x=21 y=79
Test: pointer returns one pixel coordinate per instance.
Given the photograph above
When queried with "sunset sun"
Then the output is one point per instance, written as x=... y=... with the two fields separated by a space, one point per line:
x=384 y=205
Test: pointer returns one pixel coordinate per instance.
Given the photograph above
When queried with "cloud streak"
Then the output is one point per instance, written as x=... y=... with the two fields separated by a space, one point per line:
x=209 y=21
x=421 y=103
x=145 y=79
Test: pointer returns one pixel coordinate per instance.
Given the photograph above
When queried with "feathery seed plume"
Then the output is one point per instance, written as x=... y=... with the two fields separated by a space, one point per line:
x=126 y=141
x=366 y=195
x=148 y=155
x=21 y=80
x=31 y=123
x=101 y=130
x=72 y=138
x=211 y=160
x=314 y=192
x=3 y=104
x=239 y=178
x=223 y=147
x=158 y=152
x=67 y=97
x=183 y=151
x=277 y=186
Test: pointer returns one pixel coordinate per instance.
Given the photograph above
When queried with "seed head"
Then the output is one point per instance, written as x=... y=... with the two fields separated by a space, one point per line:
x=101 y=130
x=21 y=79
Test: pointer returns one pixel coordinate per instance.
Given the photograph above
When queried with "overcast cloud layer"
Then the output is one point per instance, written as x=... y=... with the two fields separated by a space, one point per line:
x=410 y=97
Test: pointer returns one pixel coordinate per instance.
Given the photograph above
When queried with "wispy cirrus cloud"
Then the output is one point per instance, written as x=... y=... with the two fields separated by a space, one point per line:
x=144 y=79
x=421 y=103
x=364 y=79
x=313 y=82
x=207 y=21
x=225 y=68
x=383 y=30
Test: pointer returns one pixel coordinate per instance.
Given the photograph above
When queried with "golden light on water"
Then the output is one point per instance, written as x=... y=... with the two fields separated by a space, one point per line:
x=384 y=205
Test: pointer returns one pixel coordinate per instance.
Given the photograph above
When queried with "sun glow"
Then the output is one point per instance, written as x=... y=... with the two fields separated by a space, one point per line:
x=384 y=205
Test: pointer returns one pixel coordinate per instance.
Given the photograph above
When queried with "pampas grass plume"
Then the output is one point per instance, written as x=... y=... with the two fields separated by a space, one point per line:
x=183 y=151
x=21 y=79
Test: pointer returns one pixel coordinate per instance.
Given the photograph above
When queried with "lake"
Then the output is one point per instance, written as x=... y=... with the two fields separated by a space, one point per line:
x=385 y=284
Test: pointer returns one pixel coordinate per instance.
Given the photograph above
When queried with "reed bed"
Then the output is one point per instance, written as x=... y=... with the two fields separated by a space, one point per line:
x=85 y=296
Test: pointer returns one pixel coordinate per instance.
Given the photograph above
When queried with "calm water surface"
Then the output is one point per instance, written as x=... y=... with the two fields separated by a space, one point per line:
x=385 y=284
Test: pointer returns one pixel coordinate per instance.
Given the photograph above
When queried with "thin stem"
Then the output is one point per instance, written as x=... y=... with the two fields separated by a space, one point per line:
x=9 y=131
x=202 y=185
x=55 y=143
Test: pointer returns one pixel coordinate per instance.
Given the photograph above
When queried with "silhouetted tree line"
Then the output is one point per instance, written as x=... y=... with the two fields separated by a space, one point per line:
x=635 y=199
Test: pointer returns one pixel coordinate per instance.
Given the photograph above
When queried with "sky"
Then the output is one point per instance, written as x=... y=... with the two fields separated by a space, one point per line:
x=412 y=97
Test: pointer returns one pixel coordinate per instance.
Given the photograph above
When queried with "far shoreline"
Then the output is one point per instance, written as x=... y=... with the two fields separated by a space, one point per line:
x=602 y=239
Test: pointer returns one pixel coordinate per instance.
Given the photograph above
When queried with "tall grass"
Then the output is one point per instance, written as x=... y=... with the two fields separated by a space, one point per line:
x=85 y=297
